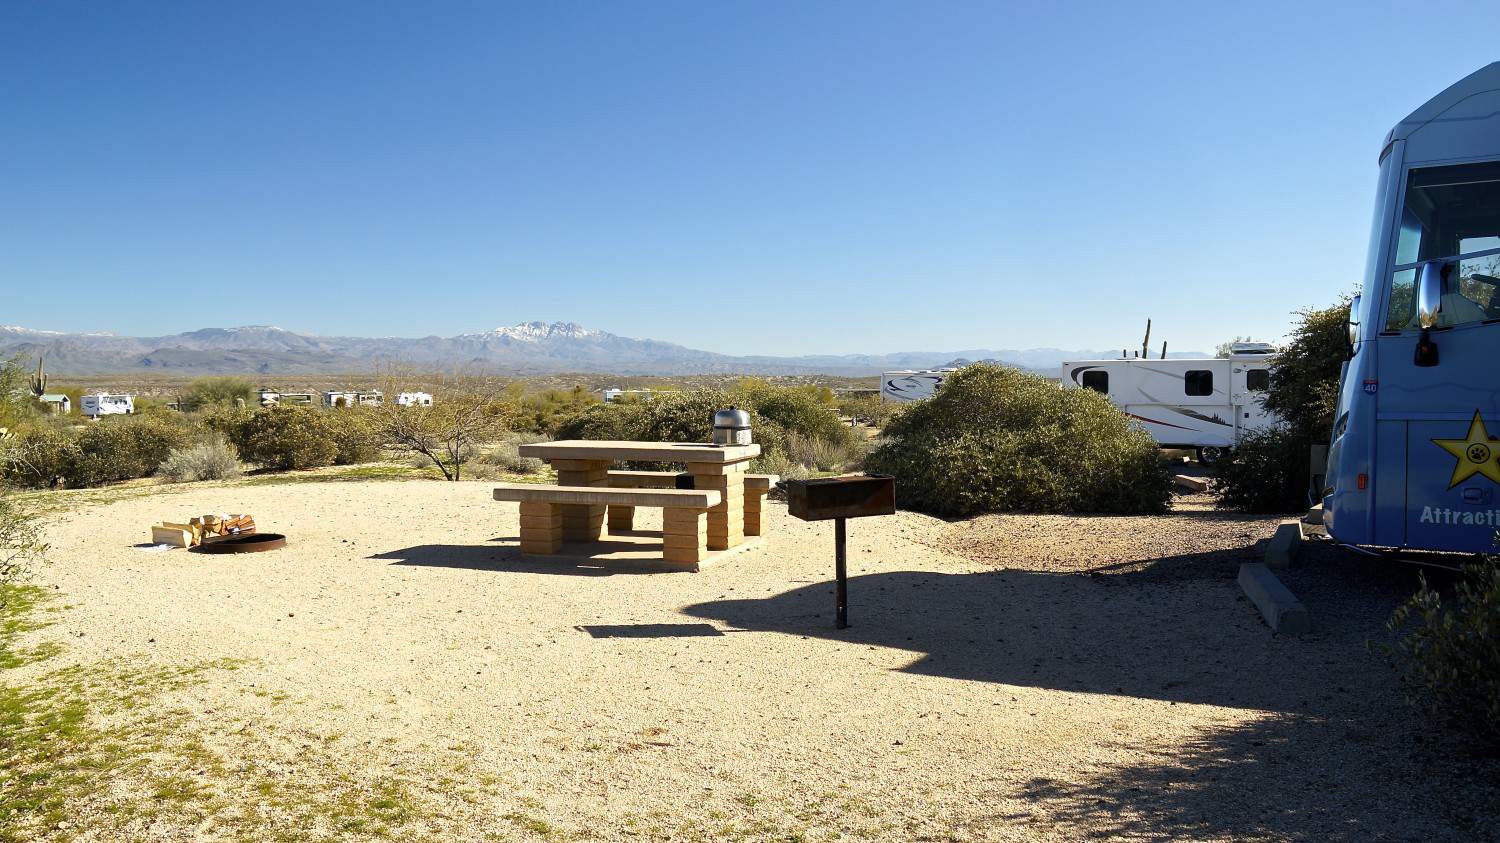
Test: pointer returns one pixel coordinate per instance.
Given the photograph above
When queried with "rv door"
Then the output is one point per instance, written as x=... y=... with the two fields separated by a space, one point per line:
x=1251 y=380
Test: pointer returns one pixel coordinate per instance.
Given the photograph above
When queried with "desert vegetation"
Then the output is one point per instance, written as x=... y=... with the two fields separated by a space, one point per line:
x=798 y=428
x=472 y=430
x=994 y=439
x=1267 y=472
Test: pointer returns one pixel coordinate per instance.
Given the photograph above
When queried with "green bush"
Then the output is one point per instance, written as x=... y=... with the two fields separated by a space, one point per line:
x=995 y=439
x=217 y=391
x=210 y=460
x=688 y=416
x=1450 y=658
x=287 y=437
x=39 y=458
x=355 y=436
x=1267 y=473
x=123 y=448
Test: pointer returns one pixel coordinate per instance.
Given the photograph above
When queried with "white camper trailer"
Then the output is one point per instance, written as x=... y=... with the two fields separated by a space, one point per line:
x=414 y=399
x=912 y=385
x=106 y=404
x=1201 y=403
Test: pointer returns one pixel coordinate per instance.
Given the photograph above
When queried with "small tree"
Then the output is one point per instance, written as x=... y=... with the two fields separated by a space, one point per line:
x=20 y=541
x=465 y=412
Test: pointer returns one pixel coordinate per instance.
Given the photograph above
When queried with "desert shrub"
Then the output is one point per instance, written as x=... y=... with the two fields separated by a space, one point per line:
x=39 y=458
x=504 y=457
x=209 y=460
x=818 y=454
x=1268 y=471
x=356 y=436
x=688 y=416
x=606 y=421
x=219 y=390
x=545 y=412
x=287 y=437
x=778 y=463
x=1449 y=654
x=20 y=541
x=996 y=439
x=123 y=448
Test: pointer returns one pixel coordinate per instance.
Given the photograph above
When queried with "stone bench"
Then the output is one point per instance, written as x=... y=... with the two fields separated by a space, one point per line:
x=622 y=518
x=684 y=522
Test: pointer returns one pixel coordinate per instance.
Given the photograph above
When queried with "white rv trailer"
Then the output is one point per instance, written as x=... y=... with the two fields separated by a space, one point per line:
x=909 y=385
x=414 y=399
x=1201 y=403
x=106 y=404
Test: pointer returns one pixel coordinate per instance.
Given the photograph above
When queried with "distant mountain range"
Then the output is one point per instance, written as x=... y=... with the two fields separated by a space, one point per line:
x=527 y=348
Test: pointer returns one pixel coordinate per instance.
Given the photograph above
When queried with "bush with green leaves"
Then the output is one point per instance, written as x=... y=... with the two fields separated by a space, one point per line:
x=1449 y=653
x=219 y=390
x=995 y=439
x=212 y=459
x=688 y=416
x=286 y=437
x=39 y=458
x=356 y=437
x=1268 y=471
x=118 y=448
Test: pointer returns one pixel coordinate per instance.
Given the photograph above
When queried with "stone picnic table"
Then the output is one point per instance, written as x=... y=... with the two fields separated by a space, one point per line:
x=713 y=467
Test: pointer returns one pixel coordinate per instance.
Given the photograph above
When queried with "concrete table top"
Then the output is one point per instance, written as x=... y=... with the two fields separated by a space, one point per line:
x=605 y=450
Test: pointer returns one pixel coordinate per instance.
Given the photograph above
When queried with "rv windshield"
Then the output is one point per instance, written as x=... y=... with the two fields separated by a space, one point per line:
x=1450 y=213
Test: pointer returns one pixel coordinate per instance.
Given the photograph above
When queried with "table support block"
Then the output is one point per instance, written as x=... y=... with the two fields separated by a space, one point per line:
x=621 y=518
x=582 y=523
x=541 y=528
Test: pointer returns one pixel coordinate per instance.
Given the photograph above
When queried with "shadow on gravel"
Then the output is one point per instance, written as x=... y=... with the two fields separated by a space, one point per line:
x=509 y=560
x=1334 y=755
x=1177 y=630
x=1281 y=777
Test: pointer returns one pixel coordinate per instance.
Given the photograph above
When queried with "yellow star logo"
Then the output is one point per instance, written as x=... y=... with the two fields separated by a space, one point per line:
x=1476 y=453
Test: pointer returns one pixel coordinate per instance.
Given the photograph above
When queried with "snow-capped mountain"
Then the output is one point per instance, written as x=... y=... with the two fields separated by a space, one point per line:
x=526 y=348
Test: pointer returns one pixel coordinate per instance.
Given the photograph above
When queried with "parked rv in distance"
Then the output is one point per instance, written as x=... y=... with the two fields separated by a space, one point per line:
x=414 y=399
x=107 y=404
x=908 y=385
x=1202 y=403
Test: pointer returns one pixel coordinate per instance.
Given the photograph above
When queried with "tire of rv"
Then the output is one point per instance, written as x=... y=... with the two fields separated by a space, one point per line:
x=1211 y=454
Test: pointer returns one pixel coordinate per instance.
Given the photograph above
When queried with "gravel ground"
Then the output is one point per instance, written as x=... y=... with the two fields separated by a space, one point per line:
x=1004 y=678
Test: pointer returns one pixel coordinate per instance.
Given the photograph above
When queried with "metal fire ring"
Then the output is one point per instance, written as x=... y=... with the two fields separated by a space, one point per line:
x=250 y=543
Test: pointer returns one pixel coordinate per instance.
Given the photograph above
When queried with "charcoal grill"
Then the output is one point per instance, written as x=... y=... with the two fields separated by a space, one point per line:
x=839 y=499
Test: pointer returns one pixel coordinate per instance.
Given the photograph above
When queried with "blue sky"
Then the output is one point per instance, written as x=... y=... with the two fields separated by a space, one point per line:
x=755 y=177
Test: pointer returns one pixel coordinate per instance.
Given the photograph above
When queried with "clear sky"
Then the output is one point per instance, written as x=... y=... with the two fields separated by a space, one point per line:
x=801 y=177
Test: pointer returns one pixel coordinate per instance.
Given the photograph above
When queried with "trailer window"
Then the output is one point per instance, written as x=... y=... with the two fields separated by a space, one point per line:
x=1096 y=380
x=1198 y=382
x=1453 y=214
x=1258 y=380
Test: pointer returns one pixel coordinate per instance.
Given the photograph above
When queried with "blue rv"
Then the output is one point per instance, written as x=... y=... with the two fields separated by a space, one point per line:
x=1414 y=462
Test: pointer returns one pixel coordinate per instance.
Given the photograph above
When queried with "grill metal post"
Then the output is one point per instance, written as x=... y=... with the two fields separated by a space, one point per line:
x=841 y=572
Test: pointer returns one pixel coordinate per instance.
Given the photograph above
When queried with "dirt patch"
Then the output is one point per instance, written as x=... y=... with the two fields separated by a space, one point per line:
x=1010 y=677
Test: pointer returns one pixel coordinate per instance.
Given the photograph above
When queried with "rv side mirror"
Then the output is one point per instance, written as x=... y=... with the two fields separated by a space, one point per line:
x=1353 y=324
x=1429 y=294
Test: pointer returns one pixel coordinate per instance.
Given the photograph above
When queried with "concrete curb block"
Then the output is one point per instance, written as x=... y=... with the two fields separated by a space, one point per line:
x=1285 y=544
x=1281 y=609
x=1192 y=484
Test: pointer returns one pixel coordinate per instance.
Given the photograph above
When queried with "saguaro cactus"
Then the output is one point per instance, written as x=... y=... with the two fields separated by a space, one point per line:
x=39 y=380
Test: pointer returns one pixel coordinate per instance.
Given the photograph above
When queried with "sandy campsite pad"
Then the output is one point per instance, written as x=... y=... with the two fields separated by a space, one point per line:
x=982 y=692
